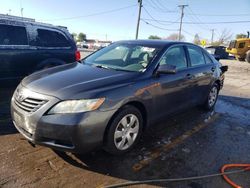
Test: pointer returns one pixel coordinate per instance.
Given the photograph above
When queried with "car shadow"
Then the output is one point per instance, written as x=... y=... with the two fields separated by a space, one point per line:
x=6 y=125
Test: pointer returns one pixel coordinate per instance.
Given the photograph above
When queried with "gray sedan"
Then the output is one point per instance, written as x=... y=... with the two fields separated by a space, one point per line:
x=109 y=98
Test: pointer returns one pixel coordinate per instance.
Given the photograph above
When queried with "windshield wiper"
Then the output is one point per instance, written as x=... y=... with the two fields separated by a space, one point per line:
x=102 y=66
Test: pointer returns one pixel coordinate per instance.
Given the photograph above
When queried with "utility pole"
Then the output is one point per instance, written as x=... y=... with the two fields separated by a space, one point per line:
x=21 y=8
x=182 y=15
x=139 y=18
x=212 y=38
x=22 y=12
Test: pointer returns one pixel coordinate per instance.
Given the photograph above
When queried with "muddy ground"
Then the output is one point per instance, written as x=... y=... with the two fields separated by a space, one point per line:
x=189 y=144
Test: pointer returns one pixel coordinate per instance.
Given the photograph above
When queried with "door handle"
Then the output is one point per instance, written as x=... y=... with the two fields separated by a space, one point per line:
x=213 y=69
x=189 y=76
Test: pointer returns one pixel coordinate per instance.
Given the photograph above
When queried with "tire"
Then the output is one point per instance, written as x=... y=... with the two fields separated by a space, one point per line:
x=127 y=134
x=240 y=58
x=248 y=56
x=211 y=98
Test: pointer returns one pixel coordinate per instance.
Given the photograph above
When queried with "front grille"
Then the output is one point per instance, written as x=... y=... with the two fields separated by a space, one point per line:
x=30 y=104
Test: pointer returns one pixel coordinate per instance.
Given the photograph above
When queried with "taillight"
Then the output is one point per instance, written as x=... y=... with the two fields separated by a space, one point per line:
x=77 y=55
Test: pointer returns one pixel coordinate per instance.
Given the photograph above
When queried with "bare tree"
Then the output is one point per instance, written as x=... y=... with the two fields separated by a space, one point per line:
x=225 y=36
x=197 y=40
x=154 y=37
x=175 y=36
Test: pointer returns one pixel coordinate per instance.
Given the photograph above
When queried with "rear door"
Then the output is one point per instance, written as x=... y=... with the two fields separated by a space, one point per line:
x=201 y=70
x=15 y=52
x=175 y=88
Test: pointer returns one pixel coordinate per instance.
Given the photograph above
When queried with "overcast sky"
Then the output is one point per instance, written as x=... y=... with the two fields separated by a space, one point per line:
x=117 y=19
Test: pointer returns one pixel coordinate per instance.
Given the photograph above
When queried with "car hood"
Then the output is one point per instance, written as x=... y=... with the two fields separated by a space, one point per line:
x=76 y=80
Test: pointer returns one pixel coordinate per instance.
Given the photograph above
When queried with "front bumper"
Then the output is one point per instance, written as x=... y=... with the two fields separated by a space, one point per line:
x=80 y=132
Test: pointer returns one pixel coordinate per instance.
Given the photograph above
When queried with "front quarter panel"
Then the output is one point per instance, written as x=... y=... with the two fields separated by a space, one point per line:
x=142 y=91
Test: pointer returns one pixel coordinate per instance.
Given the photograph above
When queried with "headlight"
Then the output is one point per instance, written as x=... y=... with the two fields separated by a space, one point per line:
x=76 y=106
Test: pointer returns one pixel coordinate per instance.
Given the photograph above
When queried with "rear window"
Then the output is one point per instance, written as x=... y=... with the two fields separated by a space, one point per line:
x=47 y=38
x=13 y=35
x=196 y=56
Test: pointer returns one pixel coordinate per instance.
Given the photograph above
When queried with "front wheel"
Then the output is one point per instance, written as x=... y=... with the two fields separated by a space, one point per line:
x=212 y=97
x=124 y=131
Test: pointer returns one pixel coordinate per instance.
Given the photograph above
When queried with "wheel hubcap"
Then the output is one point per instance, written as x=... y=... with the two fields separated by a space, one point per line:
x=126 y=132
x=212 y=96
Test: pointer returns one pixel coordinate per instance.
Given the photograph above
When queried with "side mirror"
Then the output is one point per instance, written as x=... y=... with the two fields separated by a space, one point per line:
x=224 y=68
x=166 y=69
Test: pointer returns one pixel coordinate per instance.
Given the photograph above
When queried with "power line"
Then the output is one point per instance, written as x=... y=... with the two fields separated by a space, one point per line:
x=228 y=22
x=161 y=5
x=158 y=26
x=187 y=32
x=220 y=15
x=156 y=20
x=89 y=15
x=197 y=18
x=159 y=9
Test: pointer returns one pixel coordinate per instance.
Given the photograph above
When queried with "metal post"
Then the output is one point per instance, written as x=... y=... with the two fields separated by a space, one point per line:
x=182 y=15
x=139 y=18
x=212 y=39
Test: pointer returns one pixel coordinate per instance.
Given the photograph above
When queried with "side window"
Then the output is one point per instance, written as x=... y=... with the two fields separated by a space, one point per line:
x=195 y=55
x=207 y=59
x=47 y=38
x=175 y=56
x=242 y=45
x=13 y=35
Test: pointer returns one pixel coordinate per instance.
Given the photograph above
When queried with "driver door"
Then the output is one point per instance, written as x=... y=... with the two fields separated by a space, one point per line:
x=175 y=88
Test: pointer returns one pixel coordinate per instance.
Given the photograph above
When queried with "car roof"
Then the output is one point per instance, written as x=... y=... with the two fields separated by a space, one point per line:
x=160 y=43
x=215 y=47
x=15 y=20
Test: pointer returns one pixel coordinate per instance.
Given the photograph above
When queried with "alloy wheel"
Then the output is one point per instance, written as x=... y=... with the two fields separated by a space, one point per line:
x=212 y=96
x=126 y=132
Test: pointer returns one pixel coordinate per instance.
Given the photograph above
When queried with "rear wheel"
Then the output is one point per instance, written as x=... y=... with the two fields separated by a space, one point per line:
x=248 y=56
x=124 y=131
x=212 y=97
x=240 y=58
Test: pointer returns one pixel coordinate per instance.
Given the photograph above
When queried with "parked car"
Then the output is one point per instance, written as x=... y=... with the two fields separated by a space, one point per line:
x=219 y=52
x=82 y=45
x=114 y=94
x=27 y=46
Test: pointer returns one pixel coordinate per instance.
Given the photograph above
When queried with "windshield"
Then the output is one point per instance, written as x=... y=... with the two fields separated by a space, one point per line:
x=126 y=57
x=232 y=44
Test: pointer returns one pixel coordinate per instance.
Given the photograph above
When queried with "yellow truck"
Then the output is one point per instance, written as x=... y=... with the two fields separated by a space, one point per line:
x=240 y=48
